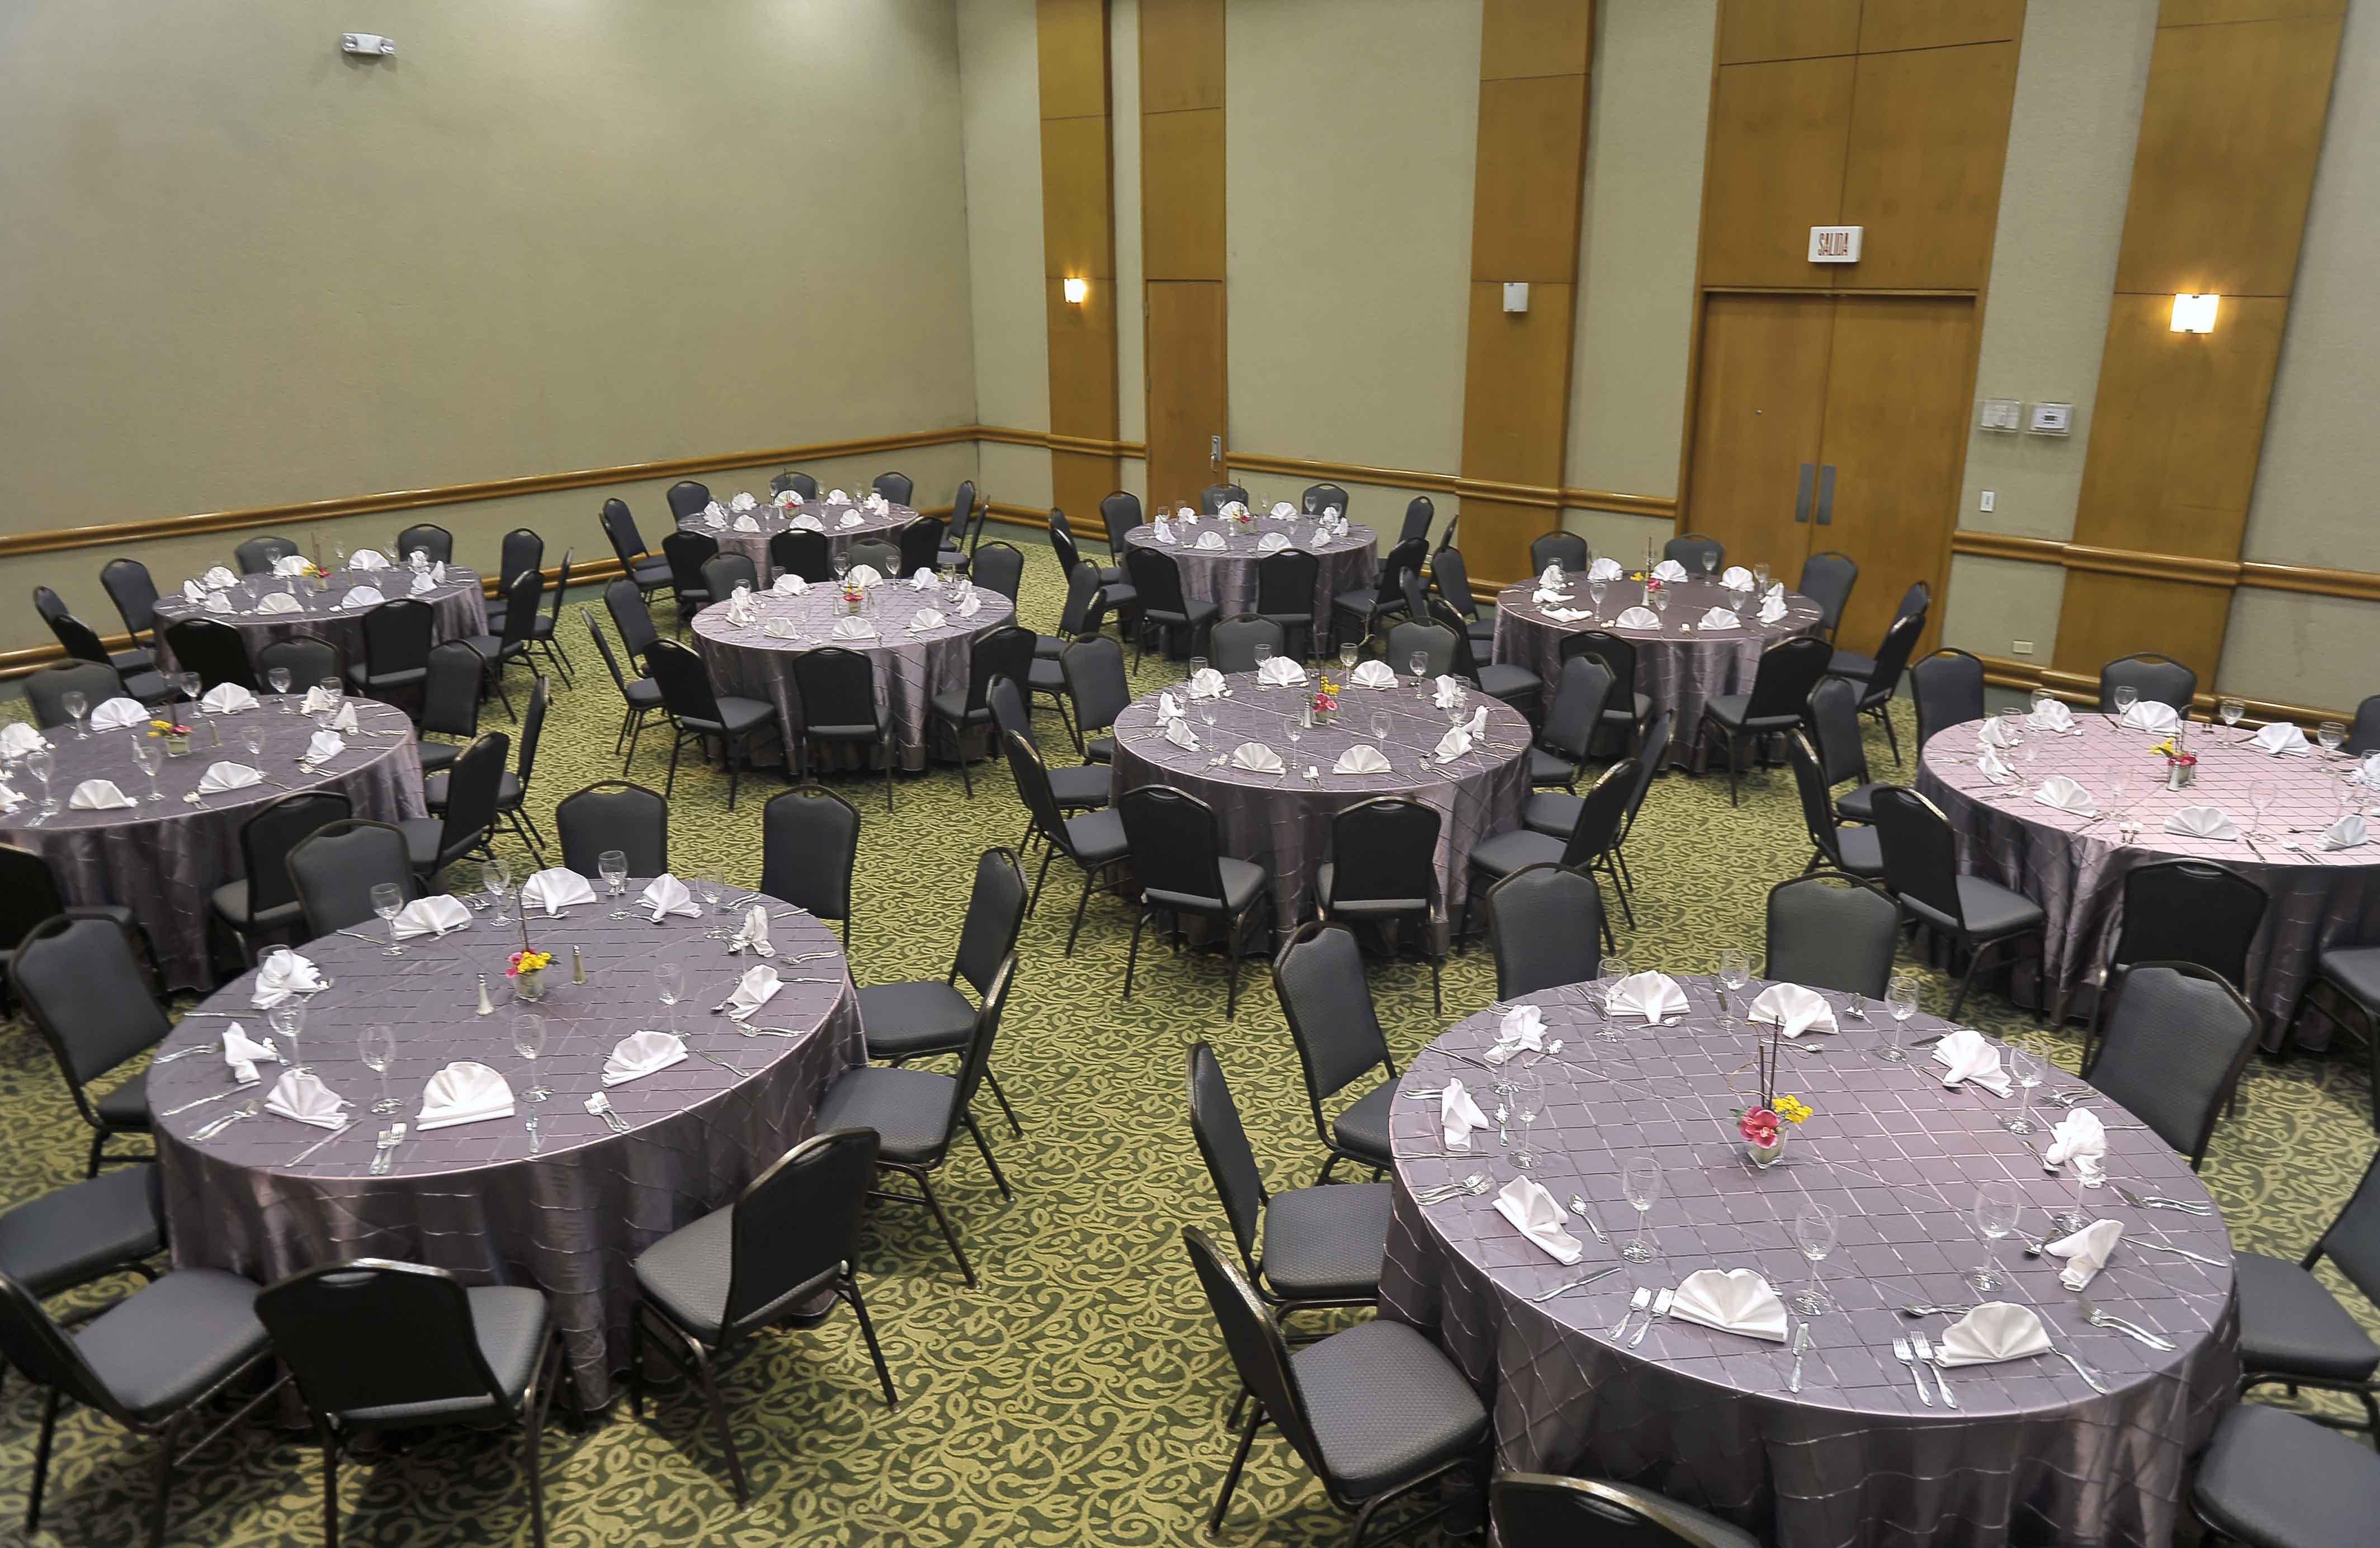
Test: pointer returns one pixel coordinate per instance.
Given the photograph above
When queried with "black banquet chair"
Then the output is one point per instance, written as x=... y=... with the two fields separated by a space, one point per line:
x=1826 y=579
x=212 y=649
x=1094 y=840
x=613 y=814
x=2273 y=1480
x=1004 y=652
x=687 y=498
x=2152 y=677
x=428 y=538
x=930 y=1017
x=1781 y=692
x=1948 y=687
x=1383 y=870
x=698 y=714
x=1854 y=848
x=1882 y=680
x=46 y=689
x=894 y=487
x=2364 y=732
x=257 y=555
x=1286 y=581
x=2293 y=1331
x=82 y=985
x=1545 y=928
x=809 y=846
x=1565 y=549
x=474 y=803
x=1920 y=854
x=128 y=586
x=397 y=635
x=1176 y=843
x=837 y=688
x=2183 y=911
x=334 y=869
x=640 y=567
x=687 y=552
x=1831 y=930
x=799 y=551
x=453 y=689
x=800 y=483
x=1156 y=581
x=1319 y=979
x=1700 y=554
x=2177 y=1038
x=307 y=662
x=264 y=904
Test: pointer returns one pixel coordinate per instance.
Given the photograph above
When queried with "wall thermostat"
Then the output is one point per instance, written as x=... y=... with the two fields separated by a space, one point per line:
x=365 y=43
x=2052 y=418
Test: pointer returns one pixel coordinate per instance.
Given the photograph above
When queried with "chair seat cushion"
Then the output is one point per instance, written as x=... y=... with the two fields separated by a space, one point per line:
x=508 y=790
x=1359 y=602
x=923 y=1016
x=1081 y=785
x=1635 y=712
x=650 y=571
x=1863 y=851
x=510 y=1322
x=1099 y=749
x=436 y=755
x=1553 y=812
x=909 y=1109
x=149 y=687
x=685 y=1275
x=1387 y=1408
x=127 y=1106
x=1326 y=1243
x=135 y=659
x=1123 y=596
x=1857 y=803
x=230 y=901
x=1241 y=880
x=1362 y=1129
x=1097 y=838
x=2356 y=971
x=1991 y=908
x=362 y=677
x=953 y=706
x=2290 y=1326
x=1046 y=676
x=490 y=646
x=1551 y=769
x=1507 y=852
x=1048 y=648
x=1326 y=892
x=422 y=841
x=2274 y=1479
x=1849 y=663
x=1733 y=712
x=642 y=693
x=741 y=715
x=74 y=1234
x=1501 y=679
x=158 y=1349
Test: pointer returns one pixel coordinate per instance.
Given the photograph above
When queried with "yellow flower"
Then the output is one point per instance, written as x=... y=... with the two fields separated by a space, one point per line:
x=1791 y=1109
x=2167 y=748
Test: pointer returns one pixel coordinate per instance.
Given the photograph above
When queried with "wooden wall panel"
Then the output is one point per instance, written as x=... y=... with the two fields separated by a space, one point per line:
x=1181 y=55
x=1182 y=195
x=1183 y=244
x=1077 y=213
x=1078 y=241
x=1760 y=406
x=1929 y=139
x=1187 y=392
x=1751 y=32
x=1525 y=210
x=1534 y=37
x=1082 y=362
x=2107 y=616
x=1778 y=135
x=2199 y=12
x=1886 y=25
x=1071 y=37
x=1518 y=366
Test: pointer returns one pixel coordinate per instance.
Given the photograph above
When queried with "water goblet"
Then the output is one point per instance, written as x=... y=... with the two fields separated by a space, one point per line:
x=191 y=685
x=669 y=987
x=144 y=759
x=2231 y=709
x=287 y=1020
x=1206 y=713
x=2028 y=1071
x=1379 y=725
x=1760 y=578
x=336 y=690
x=1660 y=601
x=2071 y=1216
x=612 y=866
x=2011 y=724
x=251 y=737
x=1347 y=653
x=277 y=679
x=1710 y=562
x=1901 y=994
x=388 y=902
x=77 y=705
x=1815 y=1231
x=1734 y=973
x=2260 y=795
x=2028 y=764
x=1612 y=969
x=1528 y=1099
x=1263 y=654
x=2125 y=698
x=1640 y=1182
x=710 y=892
x=841 y=564
x=529 y=1041
x=2331 y=733
x=376 y=1046
x=1419 y=664
x=496 y=880
x=38 y=763
x=1594 y=589
x=1198 y=665
x=1997 y=1208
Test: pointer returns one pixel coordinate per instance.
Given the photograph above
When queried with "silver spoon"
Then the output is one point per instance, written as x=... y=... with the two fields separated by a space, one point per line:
x=1578 y=1207
x=219 y=1125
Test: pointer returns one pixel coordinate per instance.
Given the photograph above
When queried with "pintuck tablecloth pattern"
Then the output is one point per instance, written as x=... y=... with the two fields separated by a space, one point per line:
x=458 y=609
x=772 y=519
x=1227 y=577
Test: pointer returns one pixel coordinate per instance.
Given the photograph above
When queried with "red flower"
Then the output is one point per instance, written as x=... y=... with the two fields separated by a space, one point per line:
x=1759 y=1127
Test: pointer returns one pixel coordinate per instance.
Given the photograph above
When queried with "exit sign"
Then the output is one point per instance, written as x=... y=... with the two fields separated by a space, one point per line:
x=1835 y=244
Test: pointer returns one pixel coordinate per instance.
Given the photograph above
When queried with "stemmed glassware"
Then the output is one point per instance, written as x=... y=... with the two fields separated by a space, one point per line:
x=2232 y=710
x=277 y=679
x=2260 y=796
x=1760 y=578
x=1815 y=1231
x=496 y=880
x=1612 y=969
x=376 y=1046
x=1710 y=562
x=39 y=763
x=251 y=738
x=1901 y=994
x=1640 y=1182
x=1379 y=725
x=191 y=685
x=144 y=759
x=1528 y=1099
x=1264 y=653
x=529 y=1041
x=2331 y=735
x=669 y=987
x=1419 y=664
x=1348 y=650
x=1594 y=589
x=1997 y=1206
x=287 y=1020
x=612 y=866
x=2125 y=698
x=1734 y=973
x=2028 y=1070
x=388 y=902
x=77 y=705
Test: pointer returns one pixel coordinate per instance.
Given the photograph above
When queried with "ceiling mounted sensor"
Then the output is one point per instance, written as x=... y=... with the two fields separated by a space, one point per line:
x=371 y=46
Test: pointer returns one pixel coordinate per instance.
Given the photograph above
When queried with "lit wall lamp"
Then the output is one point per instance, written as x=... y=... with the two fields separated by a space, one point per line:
x=2194 y=314
x=1076 y=289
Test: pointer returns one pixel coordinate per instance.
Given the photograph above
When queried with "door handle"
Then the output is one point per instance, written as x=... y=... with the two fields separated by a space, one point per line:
x=1826 y=495
x=1801 y=497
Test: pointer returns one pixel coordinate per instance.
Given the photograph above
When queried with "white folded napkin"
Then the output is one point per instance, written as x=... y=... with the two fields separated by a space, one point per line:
x=790 y=585
x=924 y=580
x=18 y=739
x=193 y=592
x=1535 y=1215
x=1567 y=615
x=438 y=571
x=343 y=721
x=714 y=514
x=2050 y=715
x=807 y=522
x=367 y=560
x=853 y=628
x=9 y=800
x=1605 y=570
x=1362 y=758
x=360 y=596
x=1994 y=767
x=2368 y=772
x=1458 y=1114
x=241 y=1052
x=1450 y=691
x=1522 y=1030
x=785 y=499
x=1168 y=708
x=1233 y=510
x=1373 y=674
x=1455 y=744
x=1210 y=541
x=971 y=604
x=758 y=983
x=1738 y=578
x=2202 y=822
x=1654 y=996
x=1554 y=579
x=464 y=1092
x=1668 y=570
x=555 y=889
x=218 y=579
x=1720 y=618
x=746 y=524
x=1994 y=1331
x=433 y=916
x=862 y=575
x=1282 y=510
x=1638 y=618
x=1332 y=513
x=227 y=698
x=284 y=974
x=2282 y=739
x=1733 y=1301
x=754 y=936
x=925 y=621
x=322 y=746
x=1280 y=671
x=1255 y=757
x=743 y=500
x=665 y=895
x=836 y=497
x=272 y=601
x=221 y=777
x=1271 y=542
x=2065 y=796
x=1207 y=683
x=2086 y=1252
x=852 y=518
x=290 y=564
x=299 y=1094
x=1794 y=1009
x=99 y=795
x=1161 y=531
x=1177 y=730
x=316 y=701
x=118 y=714
x=1185 y=513
x=1776 y=589
x=642 y=1053
x=2345 y=833
x=422 y=585
x=2150 y=715
x=1772 y=608
x=1965 y=1056
x=2080 y=1132
x=740 y=608
x=1549 y=600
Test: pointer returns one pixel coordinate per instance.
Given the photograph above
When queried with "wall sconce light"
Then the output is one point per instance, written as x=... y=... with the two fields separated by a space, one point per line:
x=1076 y=289
x=2194 y=314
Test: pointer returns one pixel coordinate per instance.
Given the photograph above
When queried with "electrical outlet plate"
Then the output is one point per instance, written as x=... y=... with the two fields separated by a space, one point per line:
x=2020 y=647
x=1990 y=498
x=2001 y=414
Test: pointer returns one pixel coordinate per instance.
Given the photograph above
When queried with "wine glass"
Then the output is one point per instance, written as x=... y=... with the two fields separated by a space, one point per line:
x=376 y=1046
x=1528 y=1099
x=1815 y=1231
x=1198 y=665
x=77 y=705
x=2231 y=709
x=1419 y=664
x=1379 y=725
x=2260 y=795
x=251 y=738
x=191 y=685
x=388 y=902
x=2011 y=723
x=335 y=690
x=1641 y=1183
x=1347 y=652
x=841 y=564
x=1734 y=973
x=2331 y=733
x=1760 y=578
x=1997 y=1207
x=278 y=680
x=2126 y=696
x=1660 y=601
x=144 y=759
x=1710 y=562
x=495 y=880
x=669 y=987
x=1901 y=994
x=2028 y=1071
x=39 y=763
x=612 y=866
x=2071 y=1217
x=1594 y=589
x=529 y=1041
x=287 y=1020
x=1263 y=654
x=710 y=892
x=1612 y=969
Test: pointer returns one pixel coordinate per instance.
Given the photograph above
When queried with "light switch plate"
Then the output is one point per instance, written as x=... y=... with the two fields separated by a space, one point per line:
x=2001 y=414
x=1988 y=500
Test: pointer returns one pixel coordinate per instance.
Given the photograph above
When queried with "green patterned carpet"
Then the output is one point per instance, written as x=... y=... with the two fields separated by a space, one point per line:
x=1077 y=1396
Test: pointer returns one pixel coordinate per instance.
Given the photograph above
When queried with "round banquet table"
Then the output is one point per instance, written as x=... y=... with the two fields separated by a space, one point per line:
x=164 y=859
x=458 y=609
x=1227 y=577
x=2075 y=868
x=772 y=519
x=1283 y=821
x=1681 y=666
x=570 y=1216
x=2032 y=1454
x=911 y=666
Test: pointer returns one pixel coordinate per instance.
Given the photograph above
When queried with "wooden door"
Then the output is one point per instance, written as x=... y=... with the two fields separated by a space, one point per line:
x=1760 y=400
x=1896 y=435
x=1185 y=385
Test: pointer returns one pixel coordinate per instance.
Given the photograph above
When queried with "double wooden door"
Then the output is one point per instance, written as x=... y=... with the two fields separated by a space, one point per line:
x=1834 y=422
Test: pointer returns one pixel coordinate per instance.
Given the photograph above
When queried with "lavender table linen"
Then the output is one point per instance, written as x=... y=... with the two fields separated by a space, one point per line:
x=1283 y=821
x=1227 y=577
x=772 y=519
x=911 y=666
x=164 y=860
x=568 y=1218
x=2074 y=868
x=1681 y=666
x=458 y=609
x=2031 y=1455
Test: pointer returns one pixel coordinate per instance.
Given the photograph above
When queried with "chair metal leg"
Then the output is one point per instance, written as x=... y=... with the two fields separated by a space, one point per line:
x=50 y=1399
x=1232 y=928
x=1966 y=979
x=718 y=1405
x=1080 y=904
x=875 y=1350
x=997 y=1176
x=1001 y=1097
x=330 y=1439
x=1048 y=854
x=1132 y=959
x=1231 y=1478
x=926 y=1187
x=1892 y=738
x=162 y=1487
x=533 y=1464
x=676 y=746
x=637 y=1359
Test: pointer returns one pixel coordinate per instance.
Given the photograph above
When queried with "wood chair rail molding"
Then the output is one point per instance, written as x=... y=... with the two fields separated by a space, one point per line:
x=2362 y=586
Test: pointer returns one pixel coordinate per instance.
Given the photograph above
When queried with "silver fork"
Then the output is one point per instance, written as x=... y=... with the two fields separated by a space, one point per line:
x=1661 y=1309
x=2154 y=1201
x=219 y=1125
x=1637 y=1303
x=1908 y=1357
x=185 y=1053
x=202 y=1101
x=1579 y=1283
x=2096 y=1317
x=1925 y=1347
x=601 y=1103
x=739 y=1073
x=390 y=1138
x=318 y=1144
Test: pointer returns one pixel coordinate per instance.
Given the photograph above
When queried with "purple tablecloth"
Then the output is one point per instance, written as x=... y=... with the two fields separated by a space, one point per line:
x=1681 y=666
x=911 y=668
x=164 y=859
x=1227 y=577
x=773 y=519
x=2032 y=1454
x=569 y=1217
x=1283 y=821
x=458 y=609
x=2075 y=868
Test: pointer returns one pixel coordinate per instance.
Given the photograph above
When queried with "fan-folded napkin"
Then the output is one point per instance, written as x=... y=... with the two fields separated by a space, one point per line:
x=344 y=721
x=849 y=628
x=322 y=746
x=807 y=522
x=1733 y=1301
x=746 y=524
x=1668 y=570
x=1994 y=767
x=754 y=936
x=1210 y=541
x=362 y=597
x=2050 y=715
x=642 y=1053
x=1168 y=708
x=2065 y=796
x=555 y=889
x=1362 y=758
x=971 y=604
x=743 y=500
x=2150 y=715
x=1161 y=531
x=1255 y=757
x=241 y=1052
x=291 y=565
x=1638 y=618
x=1994 y=1331
x=1771 y=609
x=753 y=992
x=1605 y=570
x=1965 y=1056
x=99 y=795
x=1654 y=996
x=284 y=974
x=1450 y=691
x=1535 y=1213
x=1554 y=579
x=228 y=698
x=221 y=777
x=367 y=560
x=1282 y=510
x=1207 y=683
x=2282 y=739
x=118 y=714
x=1280 y=671
x=1373 y=674
x=714 y=514
x=278 y=601
x=862 y=575
x=319 y=699
x=852 y=518
x=422 y=584
x=2345 y=833
x=1177 y=730
x=836 y=497
x=1991 y=733
x=665 y=895
x=218 y=579
x=1738 y=578
x=433 y=916
x=1271 y=542
x=464 y=1092
x=1522 y=1030
x=2080 y=1132
x=299 y=1094
x=220 y=602
x=2086 y=1252
x=2202 y=822
x=18 y=739
x=1721 y=618
x=790 y=585
x=1795 y=1010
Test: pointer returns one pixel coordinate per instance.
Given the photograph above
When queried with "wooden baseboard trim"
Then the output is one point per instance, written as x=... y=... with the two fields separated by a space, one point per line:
x=1544 y=496
x=2363 y=586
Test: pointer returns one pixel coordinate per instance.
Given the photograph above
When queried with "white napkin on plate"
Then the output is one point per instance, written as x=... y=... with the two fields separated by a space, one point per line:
x=2150 y=715
x=221 y=777
x=2345 y=833
x=422 y=585
x=317 y=701
x=322 y=746
x=1638 y=618
x=1450 y=691
x=241 y=1052
x=291 y=565
x=1668 y=570
x=299 y=1094
x=1654 y=996
x=836 y=497
x=193 y=592
x=852 y=518
x=1177 y=730
x=1549 y=601
x=1185 y=513
x=99 y=795
x=2282 y=739
x=1373 y=674
x=218 y=579
x=1720 y=618
x=464 y=1093
x=746 y=524
x=1776 y=589
x=1522 y=1030
x=790 y=585
x=754 y=936
x=1605 y=570
x=1733 y=1301
x=862 y=575
x=1207 y=683
x=925 y=621
x=2086 y=1252
x=758 y=983
x=714 y=514
x=9 y=800
x=1535 y=1215
x=2065 y=796
x=1168 y=708
x=1362 y=758
x=344 y=721
x=272 y=601
x=2080 y=1132
x=118 y=714
x=1554 y=579
x=1771 y=609
x=807 y=522
x=1282 y=510
x=1994 y=1331
x=2050 y=715
x=1566 y=615
x=1994 y=767
x=924 y=580
x=1738 y=578
x=284 y=974
x=433 y=916
x=1965 y=1056
x=971 y=604
x=1455 y=744
x=1794 y=1009
x=849 y=628
x=1161 y=531
x=362 y=597
x=1271 y=542
x=740 y=608
x=1233 y=509
x=642 y=1053
x=1458 y=1114
x=16 y=738
x=227 y=698
x=743 y=500
x=2368 y=772
x=666 y=895
x=367 y=560
x=1991 y=733
x=1210 y=541
x=2202 y=822
x=555 y=889
x=1255 y=757
x=438 y=571
x=1280 y=671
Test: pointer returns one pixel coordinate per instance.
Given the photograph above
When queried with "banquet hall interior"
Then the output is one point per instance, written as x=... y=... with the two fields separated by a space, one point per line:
x=1535 y=771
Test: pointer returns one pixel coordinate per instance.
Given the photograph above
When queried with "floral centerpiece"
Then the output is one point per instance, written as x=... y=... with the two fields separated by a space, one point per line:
x=785 y=500
x=177 y=735
x=2180 y=763
x=1325 y=698
x=1763 y=1124
x=1237 y=511
x=527 y=970
x=854 y=596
